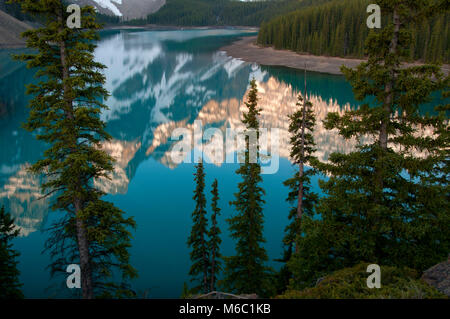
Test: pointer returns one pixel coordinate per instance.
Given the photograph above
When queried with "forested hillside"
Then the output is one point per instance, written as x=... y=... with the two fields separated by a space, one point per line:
x=200 y=12
x=13 y=9
x=224 y=12
x=339 y=28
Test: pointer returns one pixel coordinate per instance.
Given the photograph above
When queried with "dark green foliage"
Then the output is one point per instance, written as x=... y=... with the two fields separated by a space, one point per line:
x=64 y=113
x=350 y=283
x=223 y=12
x=107 y=19
x=9 y=274
x=339 y=29
x=214 y=239
x=386 y=202
x=109 y=242
x=14 y=10
x=301 y=127
x=246 y=272
x=185 y=293
x=198 y=237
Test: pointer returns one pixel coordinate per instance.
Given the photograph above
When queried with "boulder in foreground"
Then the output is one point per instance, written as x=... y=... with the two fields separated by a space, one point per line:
x=438 y=276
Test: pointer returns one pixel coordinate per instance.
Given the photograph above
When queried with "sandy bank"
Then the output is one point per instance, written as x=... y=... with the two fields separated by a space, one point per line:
x=247 y=50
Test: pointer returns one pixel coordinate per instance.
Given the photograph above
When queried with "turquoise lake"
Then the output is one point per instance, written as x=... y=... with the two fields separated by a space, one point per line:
x=160 y=81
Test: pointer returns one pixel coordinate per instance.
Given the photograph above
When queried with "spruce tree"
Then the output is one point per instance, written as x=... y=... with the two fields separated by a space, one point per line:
x=9 y=274
x=374 y=208
x=65 y=113
x=301 y=127
x=198 y=240
x=214 y=238
x=246 y=272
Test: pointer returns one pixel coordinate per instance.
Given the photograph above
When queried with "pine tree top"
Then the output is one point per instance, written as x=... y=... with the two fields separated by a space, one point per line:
x=251 y=117
x=8 y=230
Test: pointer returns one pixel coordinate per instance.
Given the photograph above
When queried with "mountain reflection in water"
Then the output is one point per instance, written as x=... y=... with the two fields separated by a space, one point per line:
x=160 y=81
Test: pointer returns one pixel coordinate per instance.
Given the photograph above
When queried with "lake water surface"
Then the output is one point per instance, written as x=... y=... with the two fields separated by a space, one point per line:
x=160 y=81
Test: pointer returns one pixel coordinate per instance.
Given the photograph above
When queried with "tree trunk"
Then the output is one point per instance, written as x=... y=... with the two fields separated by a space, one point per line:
x=83 y=249
x=300 y=175
x=387 y=105
x=82 y=240
x=213 y=270
x=301 y=168
x=213 y=258
x=300 y=197
x=389 y=86
x=205 y=268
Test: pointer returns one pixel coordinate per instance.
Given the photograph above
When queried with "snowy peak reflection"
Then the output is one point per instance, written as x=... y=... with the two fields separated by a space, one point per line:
x=154 y=70
x=160 y=82
x=277 y=101
x=22 y=197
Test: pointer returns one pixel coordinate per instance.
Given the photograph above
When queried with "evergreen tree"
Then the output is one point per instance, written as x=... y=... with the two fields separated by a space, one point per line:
x=9 y=274
x=185 y=293
x=64 y=113
x=214 y=238
x=198 y=237
x=301 y=127
x=375 y=208
x=246 y=272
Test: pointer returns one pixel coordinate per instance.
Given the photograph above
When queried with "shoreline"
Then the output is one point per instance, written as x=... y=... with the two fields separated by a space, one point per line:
x=247 y=50
x=148 y=27
x=157 y=27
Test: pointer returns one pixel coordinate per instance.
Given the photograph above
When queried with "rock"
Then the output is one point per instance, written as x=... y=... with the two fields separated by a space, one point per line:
x=438 y=276
x=319 y=281
x=225 y=295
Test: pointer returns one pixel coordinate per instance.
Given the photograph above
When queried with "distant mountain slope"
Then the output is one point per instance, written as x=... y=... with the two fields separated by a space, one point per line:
x=10 y=30
x=224 y=12
x=127 y=9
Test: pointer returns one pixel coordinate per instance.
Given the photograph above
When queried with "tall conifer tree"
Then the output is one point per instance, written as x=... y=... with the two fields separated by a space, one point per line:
x=198 y=240
x=214 y=238
x=65 y=113
x=374 y=208
x=9 y=274
x=246 y=272
x=301 y=128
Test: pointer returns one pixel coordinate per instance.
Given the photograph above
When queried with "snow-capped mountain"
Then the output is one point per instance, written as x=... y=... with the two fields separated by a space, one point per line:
x=127 y=9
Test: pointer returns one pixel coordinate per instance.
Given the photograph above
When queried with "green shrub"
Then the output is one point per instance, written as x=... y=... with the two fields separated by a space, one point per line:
x=351 y=283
